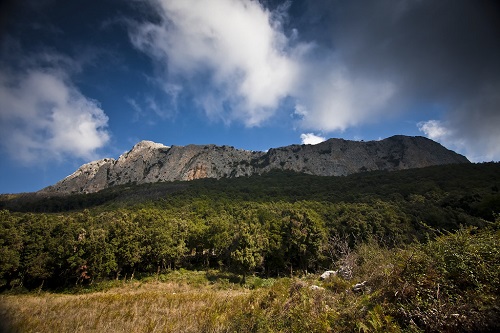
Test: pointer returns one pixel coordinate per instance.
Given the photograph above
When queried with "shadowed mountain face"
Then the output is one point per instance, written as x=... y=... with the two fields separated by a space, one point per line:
x=149 y=162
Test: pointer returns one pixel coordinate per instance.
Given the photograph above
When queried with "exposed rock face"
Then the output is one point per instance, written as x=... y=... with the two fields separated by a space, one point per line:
x=337 y=157
x=152 y=162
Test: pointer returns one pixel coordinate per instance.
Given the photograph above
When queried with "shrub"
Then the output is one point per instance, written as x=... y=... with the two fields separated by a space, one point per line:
x=450 y=284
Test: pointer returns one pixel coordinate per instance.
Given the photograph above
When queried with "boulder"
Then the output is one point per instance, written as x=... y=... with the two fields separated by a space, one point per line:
x=328 y=274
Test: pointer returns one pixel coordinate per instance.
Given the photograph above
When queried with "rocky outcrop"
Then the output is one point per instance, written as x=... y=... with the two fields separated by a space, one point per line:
x=338 y=157
x=149 y=162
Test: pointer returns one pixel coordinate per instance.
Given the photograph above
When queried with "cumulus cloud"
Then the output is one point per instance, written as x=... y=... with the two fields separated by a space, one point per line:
x=241 y=65
x=435 y=130
x=233 y=53
x=44 y=116
x=311 y=139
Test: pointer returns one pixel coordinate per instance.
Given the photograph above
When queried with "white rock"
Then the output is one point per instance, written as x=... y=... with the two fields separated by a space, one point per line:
x=359 y=287
x=315 y=287
x=328 y=274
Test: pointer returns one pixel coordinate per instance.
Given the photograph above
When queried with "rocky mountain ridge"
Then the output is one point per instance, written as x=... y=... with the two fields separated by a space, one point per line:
x=149 y=162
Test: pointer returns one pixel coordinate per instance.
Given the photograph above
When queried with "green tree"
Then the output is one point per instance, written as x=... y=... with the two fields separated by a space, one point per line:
x=126 y=238
x=248 y=248
x=11 y=244
x=36 y=262
x=64 y=250
x=220 y=234
x=164 y=239
x=98 y=252
x=304 y=237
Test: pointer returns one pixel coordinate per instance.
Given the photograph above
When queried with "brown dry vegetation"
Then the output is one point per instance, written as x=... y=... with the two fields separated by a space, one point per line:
x=192 y=303
x=287 y=306
x=134 y=307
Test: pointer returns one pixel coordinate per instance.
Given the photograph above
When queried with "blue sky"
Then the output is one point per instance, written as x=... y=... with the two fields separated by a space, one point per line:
x=84 y=80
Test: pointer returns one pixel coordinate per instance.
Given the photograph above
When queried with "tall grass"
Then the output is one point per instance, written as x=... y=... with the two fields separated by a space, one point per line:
x=135 y=307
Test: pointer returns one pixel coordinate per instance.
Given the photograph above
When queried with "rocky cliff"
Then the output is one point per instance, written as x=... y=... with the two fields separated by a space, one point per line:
x=152 y=162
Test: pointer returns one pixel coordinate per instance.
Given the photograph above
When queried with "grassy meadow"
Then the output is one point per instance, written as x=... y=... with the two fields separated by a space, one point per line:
x=275 y=305
x=131 y=307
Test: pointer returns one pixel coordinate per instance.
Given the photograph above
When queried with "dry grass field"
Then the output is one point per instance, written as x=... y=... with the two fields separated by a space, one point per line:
x=196 y=305
x=133 y=307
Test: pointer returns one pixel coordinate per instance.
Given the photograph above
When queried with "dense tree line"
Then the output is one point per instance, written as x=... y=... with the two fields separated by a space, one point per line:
x=271 y=239
x=273 y=225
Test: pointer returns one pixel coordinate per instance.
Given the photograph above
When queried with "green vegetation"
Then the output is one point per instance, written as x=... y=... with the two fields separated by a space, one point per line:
x=242 y=251
x=450 y=284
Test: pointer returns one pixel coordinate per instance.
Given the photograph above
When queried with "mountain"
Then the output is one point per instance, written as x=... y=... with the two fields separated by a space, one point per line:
x=149 y=162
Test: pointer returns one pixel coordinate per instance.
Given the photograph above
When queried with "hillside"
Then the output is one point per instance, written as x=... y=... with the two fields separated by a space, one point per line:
x=149 y=162
x=462 y=184
x=417 y=240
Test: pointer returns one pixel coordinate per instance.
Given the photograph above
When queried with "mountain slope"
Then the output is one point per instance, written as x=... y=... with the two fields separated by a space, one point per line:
x=149 y=162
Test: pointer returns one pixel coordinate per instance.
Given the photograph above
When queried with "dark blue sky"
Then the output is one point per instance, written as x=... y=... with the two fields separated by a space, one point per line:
x=83 y=80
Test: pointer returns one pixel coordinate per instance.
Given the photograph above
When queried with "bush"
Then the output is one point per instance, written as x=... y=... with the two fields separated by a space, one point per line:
x=450 y=284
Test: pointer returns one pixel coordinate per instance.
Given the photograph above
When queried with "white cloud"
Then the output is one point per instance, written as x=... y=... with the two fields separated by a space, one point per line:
x=234 y=60
x=335 y=100
x=311 y=139
x=43 y=116
x=435 y=130
x=237 y=43
x=240 y=65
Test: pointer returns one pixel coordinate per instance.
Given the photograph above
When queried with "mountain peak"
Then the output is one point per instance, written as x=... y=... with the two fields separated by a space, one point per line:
x=149 y=162
x=141 y=150
x=145 y=144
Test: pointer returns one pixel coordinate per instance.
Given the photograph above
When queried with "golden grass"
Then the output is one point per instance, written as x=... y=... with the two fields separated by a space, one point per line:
x=135 y=307
x=184 y=302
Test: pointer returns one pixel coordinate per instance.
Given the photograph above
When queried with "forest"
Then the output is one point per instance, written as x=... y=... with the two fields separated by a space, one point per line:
x=436 y=227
